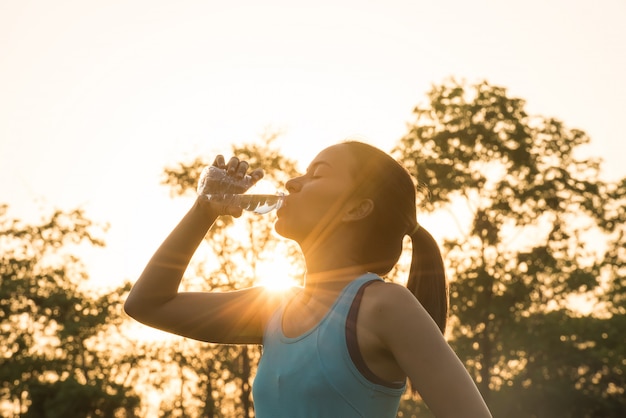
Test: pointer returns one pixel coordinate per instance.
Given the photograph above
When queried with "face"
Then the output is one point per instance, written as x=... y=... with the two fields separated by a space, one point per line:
x=318 y=200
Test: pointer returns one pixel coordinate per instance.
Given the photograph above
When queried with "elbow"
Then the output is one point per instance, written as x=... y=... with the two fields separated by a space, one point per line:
x=129 y=307
x=142 y=309
x=133 y=307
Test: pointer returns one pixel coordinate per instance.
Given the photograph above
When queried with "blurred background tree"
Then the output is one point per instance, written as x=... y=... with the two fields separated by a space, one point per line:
x=537 y=261
x=53 y=359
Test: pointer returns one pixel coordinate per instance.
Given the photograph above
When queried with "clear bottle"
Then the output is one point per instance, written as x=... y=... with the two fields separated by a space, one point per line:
x=218 y=186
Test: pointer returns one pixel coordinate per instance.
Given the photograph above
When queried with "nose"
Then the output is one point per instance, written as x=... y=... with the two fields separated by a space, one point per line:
x=293 y=185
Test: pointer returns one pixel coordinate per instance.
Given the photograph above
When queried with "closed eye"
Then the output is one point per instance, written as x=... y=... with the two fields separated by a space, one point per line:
x=317 y=170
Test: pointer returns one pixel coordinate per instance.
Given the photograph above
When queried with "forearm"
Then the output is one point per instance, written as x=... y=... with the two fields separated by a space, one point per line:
x=161 y=277
x=451 y=392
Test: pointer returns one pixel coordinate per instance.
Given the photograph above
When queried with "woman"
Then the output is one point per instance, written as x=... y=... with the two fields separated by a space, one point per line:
x=344 y=344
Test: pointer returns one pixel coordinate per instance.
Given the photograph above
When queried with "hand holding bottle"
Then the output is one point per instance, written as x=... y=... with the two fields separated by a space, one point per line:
x=227 y=184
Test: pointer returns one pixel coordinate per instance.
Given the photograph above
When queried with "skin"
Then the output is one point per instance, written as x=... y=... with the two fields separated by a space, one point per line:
x=321 y=216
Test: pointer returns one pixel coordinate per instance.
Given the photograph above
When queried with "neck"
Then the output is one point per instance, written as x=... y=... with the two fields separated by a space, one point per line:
x=330 y=263
x=335 y=275
x=326 y=279
x=329 y=251
x=325 y=285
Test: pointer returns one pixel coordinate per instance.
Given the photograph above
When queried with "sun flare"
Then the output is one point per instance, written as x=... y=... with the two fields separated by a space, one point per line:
x=276 y=275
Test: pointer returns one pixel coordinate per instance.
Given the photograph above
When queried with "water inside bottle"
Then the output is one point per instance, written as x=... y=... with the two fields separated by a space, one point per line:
x=257 y=203
x=260 y=203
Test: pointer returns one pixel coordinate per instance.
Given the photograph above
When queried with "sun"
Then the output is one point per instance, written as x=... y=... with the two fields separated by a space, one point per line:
x=276 y=275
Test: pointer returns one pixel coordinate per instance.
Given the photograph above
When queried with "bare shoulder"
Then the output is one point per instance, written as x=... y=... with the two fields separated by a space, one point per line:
x=389 y=296
x=401 y=326
x=391 y=307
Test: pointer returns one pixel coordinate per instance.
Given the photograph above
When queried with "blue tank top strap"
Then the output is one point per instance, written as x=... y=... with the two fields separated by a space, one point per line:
x=353 y=345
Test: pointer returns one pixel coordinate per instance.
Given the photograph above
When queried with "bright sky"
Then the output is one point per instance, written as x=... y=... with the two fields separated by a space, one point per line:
x=97 y=97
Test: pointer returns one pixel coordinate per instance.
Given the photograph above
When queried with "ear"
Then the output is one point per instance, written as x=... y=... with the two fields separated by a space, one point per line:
x=360 y=210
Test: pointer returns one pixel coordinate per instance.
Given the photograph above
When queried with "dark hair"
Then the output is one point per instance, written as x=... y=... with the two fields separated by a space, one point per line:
x=390 y=186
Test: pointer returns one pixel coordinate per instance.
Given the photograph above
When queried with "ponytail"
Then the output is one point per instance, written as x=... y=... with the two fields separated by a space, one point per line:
x=381 y=178
x=427 y=278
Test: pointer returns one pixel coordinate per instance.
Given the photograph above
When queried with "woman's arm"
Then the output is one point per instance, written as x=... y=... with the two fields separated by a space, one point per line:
x=412 y=337
x=219 y=317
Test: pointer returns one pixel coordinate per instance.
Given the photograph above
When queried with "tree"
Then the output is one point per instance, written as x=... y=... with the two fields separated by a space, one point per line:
x=529 y=212
x=52 y=363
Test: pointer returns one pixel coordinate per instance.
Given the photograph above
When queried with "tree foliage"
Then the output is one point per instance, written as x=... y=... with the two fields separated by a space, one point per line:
x=534 y=220
x=52 y=359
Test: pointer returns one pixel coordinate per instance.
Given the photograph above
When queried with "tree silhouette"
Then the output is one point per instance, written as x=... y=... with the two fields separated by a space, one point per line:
x=52 y=360
x=530 y=216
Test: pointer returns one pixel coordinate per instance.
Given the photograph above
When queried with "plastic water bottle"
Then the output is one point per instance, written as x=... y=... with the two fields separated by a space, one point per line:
x=218 y=186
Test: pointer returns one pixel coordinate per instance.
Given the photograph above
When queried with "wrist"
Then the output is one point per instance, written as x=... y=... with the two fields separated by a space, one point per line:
x=204 y=211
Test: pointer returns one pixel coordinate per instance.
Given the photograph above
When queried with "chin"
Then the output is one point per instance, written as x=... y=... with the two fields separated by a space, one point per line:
x=286 y=230
x=279 y=227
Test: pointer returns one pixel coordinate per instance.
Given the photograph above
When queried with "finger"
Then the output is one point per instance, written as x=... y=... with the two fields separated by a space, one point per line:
x=232 y=165
x=242 y=168
x=219 y=161
x=257 y=174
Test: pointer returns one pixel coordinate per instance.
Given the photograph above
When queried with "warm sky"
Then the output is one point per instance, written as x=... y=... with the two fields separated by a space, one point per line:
x=97 y=97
